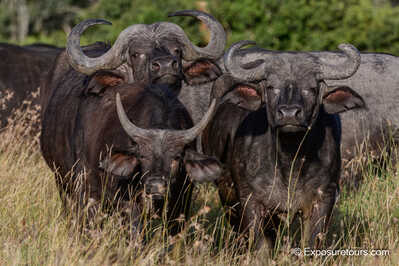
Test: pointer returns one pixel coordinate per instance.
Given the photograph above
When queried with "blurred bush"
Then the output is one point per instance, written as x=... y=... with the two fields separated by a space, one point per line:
x=312 y=24
x=371 y=25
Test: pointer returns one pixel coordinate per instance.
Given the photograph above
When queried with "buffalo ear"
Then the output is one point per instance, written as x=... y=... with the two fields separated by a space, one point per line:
x=244 y=96
x=202 y=168
x=119 y=164
x=340 y=99
x=201 y=71
x=102 y=80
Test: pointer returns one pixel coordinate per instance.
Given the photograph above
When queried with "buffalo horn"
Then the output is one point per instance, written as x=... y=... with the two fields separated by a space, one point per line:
x=217 y=42
x=136 y=133
x=234 y=66
x=111 y=59
x=329 y=70
x=180 y=136
x=188 y=135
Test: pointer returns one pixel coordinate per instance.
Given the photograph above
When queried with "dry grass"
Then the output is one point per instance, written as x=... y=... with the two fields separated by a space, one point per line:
x=34 y=230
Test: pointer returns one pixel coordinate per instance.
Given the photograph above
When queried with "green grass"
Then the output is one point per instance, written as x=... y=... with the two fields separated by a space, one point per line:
x=34 y=229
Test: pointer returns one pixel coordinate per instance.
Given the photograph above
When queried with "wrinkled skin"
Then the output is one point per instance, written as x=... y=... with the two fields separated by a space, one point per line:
x=279 y=141
x=159 y=62
x=195 y=93
x=81 y=131
x=193 y=86
x=377 y=79
x=21 y=69
x=163 y=62
x=160 y=53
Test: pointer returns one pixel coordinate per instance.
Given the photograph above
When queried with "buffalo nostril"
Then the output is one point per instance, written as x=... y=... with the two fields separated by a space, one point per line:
x=289 y=112
x=282 y=111
x=155 y=66
x=297 y=112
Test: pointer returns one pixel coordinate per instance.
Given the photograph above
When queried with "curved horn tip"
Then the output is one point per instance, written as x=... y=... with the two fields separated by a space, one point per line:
x=100 y=21
x=233 y=66
x=188 y=135
x=217 y=42
x=243 y=43
x=345 y=46
x=76 y=57
x=236 y=46
x=188 y=12
x=350 y=49
x=118 y=100
x=210 y=112
x=92 y=21
x=133 y=131
x=213 y=104
x=82 y=26
x=120 y=110
x=344 y=69
x=119 y=106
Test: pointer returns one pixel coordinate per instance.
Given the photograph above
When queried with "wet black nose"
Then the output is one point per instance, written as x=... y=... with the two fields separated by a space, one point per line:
x=289 y=111
x=164 y=64
x=155 y=186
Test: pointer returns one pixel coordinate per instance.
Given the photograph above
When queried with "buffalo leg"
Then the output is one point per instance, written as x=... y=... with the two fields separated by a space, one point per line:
x=179 y=204
x=253 y=222
x=229 y=199
x=316 y=220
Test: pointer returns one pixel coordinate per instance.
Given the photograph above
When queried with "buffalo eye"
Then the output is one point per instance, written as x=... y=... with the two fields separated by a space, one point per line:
x=273 y=89
x=135 y=55
x=144 y=159
x=176 y=52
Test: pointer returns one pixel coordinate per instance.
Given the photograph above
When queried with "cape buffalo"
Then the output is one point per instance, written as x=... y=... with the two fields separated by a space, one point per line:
x=371 y=130
x=377 y=79
x=21 y=69
x=159 y=53
x=97 y=158
x=277 y=132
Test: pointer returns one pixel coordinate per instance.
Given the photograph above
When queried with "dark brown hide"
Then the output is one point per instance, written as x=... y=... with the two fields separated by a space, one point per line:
x=82 y=134
x=21 y=69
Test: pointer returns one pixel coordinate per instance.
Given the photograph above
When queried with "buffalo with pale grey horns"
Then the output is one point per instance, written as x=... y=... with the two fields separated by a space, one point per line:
x=371 y=133
x=277 y=132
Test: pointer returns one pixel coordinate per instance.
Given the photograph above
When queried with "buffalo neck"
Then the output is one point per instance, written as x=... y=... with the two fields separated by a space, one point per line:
x=295 y=150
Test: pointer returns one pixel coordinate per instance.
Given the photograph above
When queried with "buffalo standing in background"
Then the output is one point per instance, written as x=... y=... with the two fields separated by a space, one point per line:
x=82 y=136
x=21 y=69
x=277 y=132
x=377 y=79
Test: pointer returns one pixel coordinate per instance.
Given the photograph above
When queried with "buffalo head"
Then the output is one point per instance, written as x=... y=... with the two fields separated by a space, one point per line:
x=151 y=53
x=291 y=84
x=163 y=156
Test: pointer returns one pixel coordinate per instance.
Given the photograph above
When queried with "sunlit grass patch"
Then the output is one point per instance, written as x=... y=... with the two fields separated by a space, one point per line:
x=35 y=230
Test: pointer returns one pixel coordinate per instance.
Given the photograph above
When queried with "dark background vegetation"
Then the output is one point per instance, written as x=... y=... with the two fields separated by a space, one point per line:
x=371 y=25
